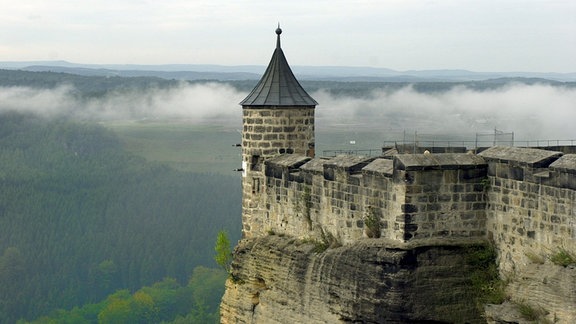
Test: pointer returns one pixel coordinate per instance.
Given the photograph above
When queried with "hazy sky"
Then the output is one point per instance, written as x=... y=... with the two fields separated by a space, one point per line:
x=478 y=35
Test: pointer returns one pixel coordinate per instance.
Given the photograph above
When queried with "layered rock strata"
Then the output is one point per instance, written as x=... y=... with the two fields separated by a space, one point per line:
x=282 y=280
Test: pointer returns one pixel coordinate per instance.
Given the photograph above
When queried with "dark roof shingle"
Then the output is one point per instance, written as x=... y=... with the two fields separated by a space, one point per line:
x=278 y=86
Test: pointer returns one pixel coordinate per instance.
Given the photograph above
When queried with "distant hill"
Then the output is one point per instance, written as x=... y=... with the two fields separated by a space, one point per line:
x=97 y=83
x=253 y=72
x=169 y=75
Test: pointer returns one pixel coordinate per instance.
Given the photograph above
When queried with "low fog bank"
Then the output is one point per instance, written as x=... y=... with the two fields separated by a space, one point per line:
x=197 y=103
x=530 y=111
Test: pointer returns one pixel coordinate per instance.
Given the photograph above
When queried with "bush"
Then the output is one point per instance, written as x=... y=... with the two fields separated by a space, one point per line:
x=485 y=278
x=223 y=251
x=563 y=258
x=530 y=313
x=372 y=222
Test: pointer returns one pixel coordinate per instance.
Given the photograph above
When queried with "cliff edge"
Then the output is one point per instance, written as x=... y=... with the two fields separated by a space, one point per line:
x=279 y=279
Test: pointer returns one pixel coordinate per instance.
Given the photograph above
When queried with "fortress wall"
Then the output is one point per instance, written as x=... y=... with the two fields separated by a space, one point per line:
x=522 y=199
x=414 y=197
x=444 y=195
x=531 y=204
x=322 y=200
x=383 y=196
x=451 y=206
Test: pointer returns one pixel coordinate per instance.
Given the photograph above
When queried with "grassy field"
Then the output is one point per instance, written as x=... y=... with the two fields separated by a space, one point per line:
x=209 y=148
x=182 y=145
x=196 y=147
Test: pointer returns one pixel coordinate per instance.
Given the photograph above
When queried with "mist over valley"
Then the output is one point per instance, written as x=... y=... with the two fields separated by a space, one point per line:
x=534 y=109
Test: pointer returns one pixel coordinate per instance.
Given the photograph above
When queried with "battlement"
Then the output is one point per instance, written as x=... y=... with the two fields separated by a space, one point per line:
x=408 y=197
x=531 y=203
x=521 y=198
x=549 y=168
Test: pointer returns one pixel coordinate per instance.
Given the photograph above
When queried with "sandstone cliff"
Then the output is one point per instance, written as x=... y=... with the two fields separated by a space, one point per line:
x=283 y=280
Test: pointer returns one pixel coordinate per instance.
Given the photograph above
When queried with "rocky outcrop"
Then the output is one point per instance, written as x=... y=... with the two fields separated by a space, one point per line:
x=549 y=290
x=282 y=280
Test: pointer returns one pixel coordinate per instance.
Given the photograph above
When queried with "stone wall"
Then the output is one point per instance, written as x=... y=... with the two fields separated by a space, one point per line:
x=532 y=204
x=524 y=199
x=343 y=199
x=322 y=199
x=269 y=132
x=531 y=216
x=444 y=195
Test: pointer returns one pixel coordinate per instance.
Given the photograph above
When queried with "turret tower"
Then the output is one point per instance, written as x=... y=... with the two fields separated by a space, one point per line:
x=278 y=118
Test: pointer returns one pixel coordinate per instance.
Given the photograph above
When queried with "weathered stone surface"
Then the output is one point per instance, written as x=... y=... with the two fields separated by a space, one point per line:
x=566 y=163
x=522 y=200
x=443 y=161
x=380 y=166
x=549 y=287
x=526 y=156
x=505 y=313
x=288 y=160
x=347 y=162
x=279 y=280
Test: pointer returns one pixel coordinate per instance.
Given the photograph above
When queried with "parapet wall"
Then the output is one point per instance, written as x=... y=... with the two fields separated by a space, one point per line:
x=343 y=199
x=444 y=195
x=531 y=207
x=522 y=199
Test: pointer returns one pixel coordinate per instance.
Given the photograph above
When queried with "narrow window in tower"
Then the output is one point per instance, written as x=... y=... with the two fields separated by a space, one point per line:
x=256 y=185
x=256 y=163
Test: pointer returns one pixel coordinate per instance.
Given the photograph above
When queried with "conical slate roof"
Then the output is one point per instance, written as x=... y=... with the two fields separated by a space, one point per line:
x=278 y=86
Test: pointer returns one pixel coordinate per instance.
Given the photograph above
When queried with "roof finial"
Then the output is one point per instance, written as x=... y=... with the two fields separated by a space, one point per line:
x=278 y=32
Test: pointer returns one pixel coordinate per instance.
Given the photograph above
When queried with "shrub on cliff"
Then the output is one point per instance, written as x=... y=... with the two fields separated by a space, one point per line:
x=372 y=222
x=223 y=250
x=485 y=278
x=563 y=258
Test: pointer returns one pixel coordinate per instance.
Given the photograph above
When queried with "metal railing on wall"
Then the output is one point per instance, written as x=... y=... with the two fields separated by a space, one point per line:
x=361 y=152
x=418 y=143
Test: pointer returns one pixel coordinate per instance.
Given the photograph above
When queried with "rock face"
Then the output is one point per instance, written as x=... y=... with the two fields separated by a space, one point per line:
x=283 y=280
x=549 y=289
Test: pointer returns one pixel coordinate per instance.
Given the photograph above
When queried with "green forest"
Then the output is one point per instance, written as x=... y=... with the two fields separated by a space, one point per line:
x=96 y=86
x=89 y=230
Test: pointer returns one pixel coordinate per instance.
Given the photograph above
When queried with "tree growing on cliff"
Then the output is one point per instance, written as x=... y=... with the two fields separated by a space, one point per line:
x=223 y=250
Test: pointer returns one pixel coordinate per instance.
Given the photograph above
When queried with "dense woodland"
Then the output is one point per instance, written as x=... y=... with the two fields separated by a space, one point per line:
x=94 y=86
x=85 y=86
x=80 y=219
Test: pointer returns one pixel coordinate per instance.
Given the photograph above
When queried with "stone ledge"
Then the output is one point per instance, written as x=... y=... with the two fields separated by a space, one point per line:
x=315 y=165
x=288 y=160
x=566 y=163
x=348 y=162
x=442 y=161
x=380 y=166
x=522 y=156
